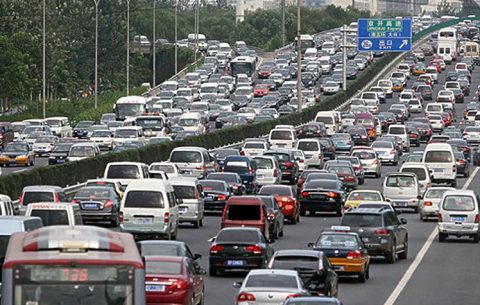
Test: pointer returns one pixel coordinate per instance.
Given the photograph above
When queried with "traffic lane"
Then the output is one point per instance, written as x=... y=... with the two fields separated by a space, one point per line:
x=39 y=161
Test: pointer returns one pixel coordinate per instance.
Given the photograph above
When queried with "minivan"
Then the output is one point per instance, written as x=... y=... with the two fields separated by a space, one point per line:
x=193 y=161
x=459 y=215
x=313 y=151
x=422 y=172
x=329 y=119
x=125 y=172
x=149 y=209
x=41 y=193
x=402 y=190
x=400 y=131
x=6 y=206
x=56 y=214
x=440 y=159
x=282 y=138
x=245 y=211
x=189 y=190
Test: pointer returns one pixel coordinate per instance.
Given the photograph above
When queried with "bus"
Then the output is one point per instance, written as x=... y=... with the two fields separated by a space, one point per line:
x=79 y=265
x=130 y=106
x=447 y=47
x=306 y=41
x=153 y=124
x=243 y=65
x=472 y=50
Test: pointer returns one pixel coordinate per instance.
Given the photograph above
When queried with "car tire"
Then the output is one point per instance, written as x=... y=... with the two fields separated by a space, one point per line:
x=378 y=175
x=391 y=256
x=340 y=210
x=367 y=273
x=293 y=220
x=212 y=272
x=303 y=212
x=476 y=238
x=404 y=254
x=417 y=144
x=454 y=183
x=281 y=233
x=442 y=237
x=201 y=222
x=174 y=236
x=466 y=174
x=196 y=224
x=362 y=277
x=361 y=181
x=395 y=163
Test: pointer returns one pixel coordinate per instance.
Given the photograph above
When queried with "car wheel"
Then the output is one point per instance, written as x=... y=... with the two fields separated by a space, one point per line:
x=174 y=236
x=418 y=144
x=391 y=256
x=454 y=183
x=340 y=210
x=281 y=233
x=378 y=175
x=404 y=254
x=293 y=220
x=442 y=237
x=303 y=212
x=362 y=277
x=466 y=174
x=196 y=224
x=201 y=222
x=212 y=272
x=395 y=163
x=361 y=181
x=476 y=238
x=367 y=273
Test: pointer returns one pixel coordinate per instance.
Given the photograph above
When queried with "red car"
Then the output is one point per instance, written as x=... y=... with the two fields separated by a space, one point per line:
x=286 y=197
x=173 y=280
x=260 y=90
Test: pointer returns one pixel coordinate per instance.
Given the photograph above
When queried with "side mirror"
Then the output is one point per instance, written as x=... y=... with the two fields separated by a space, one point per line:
x=197 y=256
x=237 y=284
x=403 y=221
x=310 y=245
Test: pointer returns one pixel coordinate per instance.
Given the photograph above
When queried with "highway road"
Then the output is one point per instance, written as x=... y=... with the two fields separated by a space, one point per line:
x=433 y=274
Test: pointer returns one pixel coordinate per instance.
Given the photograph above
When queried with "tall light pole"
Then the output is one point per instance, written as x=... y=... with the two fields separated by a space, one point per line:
x=128 y=47
x=96 y=52
x=299 y=59
x=154 y=48
x=195 y=30
x=284 y=39
x=176 y=38
x=44 y=74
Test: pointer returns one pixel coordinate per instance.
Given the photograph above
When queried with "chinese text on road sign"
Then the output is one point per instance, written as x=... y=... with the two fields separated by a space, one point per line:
x=385 y=35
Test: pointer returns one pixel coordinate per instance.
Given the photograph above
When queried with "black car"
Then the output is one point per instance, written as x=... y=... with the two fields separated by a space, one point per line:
x=216 y=194
x=232 y=179
x=321 y=196
x=275 y=216
x=381 y=231
x=287 y=162
x=238 y=249
x=461 y=146
x=328 y=148
x=98 y=204
x=413 y=135
x=463 y=166
x=59 y=153
x=312 y=266
x=359 y=135
x=459 y=96
x=312 y=130
x=82 y=128
x=239 y=102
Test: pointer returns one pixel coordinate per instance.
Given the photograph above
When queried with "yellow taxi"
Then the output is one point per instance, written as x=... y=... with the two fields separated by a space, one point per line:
x=397 y=86
x=345 y=251
x=357 y=196
x=17 y=153
x=419 y=69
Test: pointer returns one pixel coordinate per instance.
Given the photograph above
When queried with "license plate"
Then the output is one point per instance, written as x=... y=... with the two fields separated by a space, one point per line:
x=401 y=203
x=209 y=198
x=317 y=196
x=260 y=176
x=60 y=161
x=438 y=170
x=90 y=206
x=235 y=263
x=458 y=219
x=187 y=172
x=155 y=288
x=182 y=210
x=12 y=161
x=339 y=268
x=143 y=220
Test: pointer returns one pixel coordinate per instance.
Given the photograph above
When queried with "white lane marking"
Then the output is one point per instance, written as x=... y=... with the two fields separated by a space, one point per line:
x=418 y=259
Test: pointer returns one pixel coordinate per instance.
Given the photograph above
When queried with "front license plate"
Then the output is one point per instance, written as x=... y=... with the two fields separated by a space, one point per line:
x=182 y=210
x=401 y=203
x=458 y=219
x=155 y=288
x=12 y=161
x=235 y=263
x=143 y=220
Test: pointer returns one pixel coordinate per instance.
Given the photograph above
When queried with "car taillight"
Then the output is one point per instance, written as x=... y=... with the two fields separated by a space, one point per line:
x=271 y=216
x=250 y=170
x=215 y=249
x=166 y=217
x=349 y=178
x=256 y=249
x=376 y=161
x=477 y=218
x=381 y=232
x=289 y=164
x=120 y=217
x=55 y=197
x=177 y=284
x=242 y=153
x=392 y=152
x=332 y=194
x=427 y=203
x=305 y=194
x=243 y=296
x=221 y=197
x=354 y=254
x=293 y=295
x=461 y=161
x=349 y=143
x=76 y=201
x=201 y=167
x=275 y=173
x=108 y=204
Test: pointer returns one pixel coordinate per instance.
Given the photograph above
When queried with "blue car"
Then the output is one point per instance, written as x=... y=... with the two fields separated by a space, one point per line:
x=342 y=142
x=245 y=168
x=221 y=154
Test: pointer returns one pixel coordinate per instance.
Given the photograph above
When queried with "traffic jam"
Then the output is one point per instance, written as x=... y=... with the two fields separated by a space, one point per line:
x=303 y=215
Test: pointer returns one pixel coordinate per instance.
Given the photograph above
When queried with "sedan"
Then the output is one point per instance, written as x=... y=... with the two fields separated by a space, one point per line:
x=275 y=216
x=463 y=166
x=331 y=87
x=173 y=280
x=286 y=197
x=359 y=135
x=216 y=194
x=17 y=153
x=59 y=153
x=98 y=204
x=342 y=142
x=322 y=196
x=238 y=249
x=370 y=162
x=233 y=179
x=269 y=287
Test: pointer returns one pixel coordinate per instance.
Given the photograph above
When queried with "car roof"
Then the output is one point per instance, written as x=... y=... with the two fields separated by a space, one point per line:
x=273 y=271
x=42 y=188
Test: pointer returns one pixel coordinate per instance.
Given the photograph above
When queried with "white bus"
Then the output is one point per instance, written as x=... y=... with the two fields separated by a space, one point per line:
x=306 y=41
x=243 y=65
x=447 y=44
x=129 y=107
x=200 y=39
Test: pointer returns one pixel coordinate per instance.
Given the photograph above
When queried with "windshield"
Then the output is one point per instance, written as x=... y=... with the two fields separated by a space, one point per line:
x=124 y=110
x=102 y=134
x=16 y=147
x=324 y=119
x=82 y=151
x=281 y=135
x=54 y=123
x=126 y=133
x=150 y=123
x=62 y=148
x=188 y=122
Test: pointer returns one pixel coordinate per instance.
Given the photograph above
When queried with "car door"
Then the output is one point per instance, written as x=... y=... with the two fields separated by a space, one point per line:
x=331 y=277
x=196 y=280
x=391 y=222
x=402 y=232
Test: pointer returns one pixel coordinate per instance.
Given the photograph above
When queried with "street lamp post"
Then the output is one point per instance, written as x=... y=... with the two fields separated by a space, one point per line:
x=96 y=52
x=299 y=59
x=176 y=38
x=44 y=74
x=154 y=49
x=128 y=47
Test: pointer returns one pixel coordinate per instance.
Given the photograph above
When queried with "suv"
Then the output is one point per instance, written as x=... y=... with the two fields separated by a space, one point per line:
x=381 y=231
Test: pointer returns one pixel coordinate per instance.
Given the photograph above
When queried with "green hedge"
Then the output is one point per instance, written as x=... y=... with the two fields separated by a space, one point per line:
x=79 y=171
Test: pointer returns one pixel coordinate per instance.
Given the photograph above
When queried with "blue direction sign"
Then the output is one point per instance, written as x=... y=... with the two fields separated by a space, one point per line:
x=384 y=35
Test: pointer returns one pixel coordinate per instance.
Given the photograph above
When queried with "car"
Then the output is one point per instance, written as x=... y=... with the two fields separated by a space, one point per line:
x=17 y=153
x=82 y=129
x=359 y=135
x=386 y=151
x=245 y=168
x=44 y=145
x=269 y=287
x=317 y=274
x=174 y=280
x=346 y=252
x=288 y=164
x=268 y=170
x=380 y=230
x=370 y=162
x=358 y=196
x=402 y=190
x=328 y=148
x=238 y=248
x=286 y=196
x=98 y=204
x=312 y=130
x=463 y=165
x=342 y=142
x=216 y=194
x=59 y=153
x=429 y=205
x=233 y=179
x=275 y=216
x=321 y=195
x=345 y=172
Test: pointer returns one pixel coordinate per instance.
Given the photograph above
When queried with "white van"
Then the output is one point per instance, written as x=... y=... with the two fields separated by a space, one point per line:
x=312 y=148
x=282 y=138
x=6 y=206
x=126 y=172
x=400 y=131
x=190 y=192
x=82 y=150
x=328 y=118
x=310 y=54
x=60 y=126
x=127 y=134
x=422 y=172
x=440 y=159
x=149 y=209
x=193 y=161
x=56 y=213
x=193 y=121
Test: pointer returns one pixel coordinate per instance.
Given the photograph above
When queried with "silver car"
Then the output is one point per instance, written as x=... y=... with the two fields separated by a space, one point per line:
x=402 y=190
x=192 y=206
x=370 y=162
x=428 y=206
x=269 y=286
x=268 y=170
x=386 y=151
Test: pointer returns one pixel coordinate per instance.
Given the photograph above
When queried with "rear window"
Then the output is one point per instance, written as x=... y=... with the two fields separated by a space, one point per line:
x=163 y=267
x=434 y=193
x=400 y=181
x=324 y=119
x=322 y=184
x=281 y=135
x=458 y=203
x=144 y=199
x=340 y=170
x=93 y=193
x=237 y=236
x=236 y=167
x=184 y=192
x=29 y=197
x=254 y=145
x=274 y=190
x=263 y=163
x=149 y=249
x=420 y=172
x=365 y=155
x=438 y=156
x=213 y=186
x=308 y=146
x=123 y=172
x=166 y=168
x=272 y=280
x=337 y=241
x=292 y=262
x=186 y=157
x=51 y=217
x=280 y=157
x=362 y=220
x=396 y=130
x=244 y=212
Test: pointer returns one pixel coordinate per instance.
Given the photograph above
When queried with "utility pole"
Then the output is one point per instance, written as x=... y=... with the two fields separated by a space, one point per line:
x=284 y=38
x=299 y=59
x=345 y=47
x=176 y=38
x=128 y=47
x=97 y=2
x=44 y=74
x=195 y=30
x=154 y=57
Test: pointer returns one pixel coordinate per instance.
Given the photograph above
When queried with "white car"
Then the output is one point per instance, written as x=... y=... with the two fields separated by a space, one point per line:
x=436 y=121
x=103 y=138
x=415 y=106
x=386 y=85
x=471 y=134
x=247 y=112
x=312 y=149
x=331 y=87
x=44 y=145
x=446 y=94
x=169 y=168
x=300 y=159
x=432 y=72
x=385 y=151
x=405 y=96
x=451 y=85
x=254 y=148
x=268 y=170
x=399 y=76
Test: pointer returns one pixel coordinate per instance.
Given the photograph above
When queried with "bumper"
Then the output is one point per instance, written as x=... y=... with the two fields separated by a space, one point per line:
x=266 y=180
x=372 y=169
x=348 y=266
x=380 y=248
x=387 y=158
x=145 y=232
x=403 y=203
x=214 y=205
x=16 y=161
x=97 y=216
x=458 y=229
x=431 y=211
